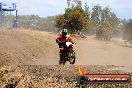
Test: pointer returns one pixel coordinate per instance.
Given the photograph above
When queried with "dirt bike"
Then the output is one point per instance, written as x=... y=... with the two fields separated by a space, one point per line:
x=67 y=54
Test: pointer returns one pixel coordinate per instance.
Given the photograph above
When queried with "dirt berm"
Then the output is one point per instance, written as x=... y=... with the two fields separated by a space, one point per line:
x=25 y=46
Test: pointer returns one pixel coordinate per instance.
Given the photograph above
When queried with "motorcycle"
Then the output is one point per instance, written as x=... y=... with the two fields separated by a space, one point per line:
x=67 y=54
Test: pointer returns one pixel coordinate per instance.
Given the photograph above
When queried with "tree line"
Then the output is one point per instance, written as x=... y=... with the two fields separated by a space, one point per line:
x=32 y=22
x=99 y=21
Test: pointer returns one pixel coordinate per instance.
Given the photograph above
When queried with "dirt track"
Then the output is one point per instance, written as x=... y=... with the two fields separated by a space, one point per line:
x=33 y=59
x=39 y=48
x=24 y=46
x=96 y=52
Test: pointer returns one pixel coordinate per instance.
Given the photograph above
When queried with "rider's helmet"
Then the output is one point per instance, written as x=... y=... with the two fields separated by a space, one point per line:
x=64 y=33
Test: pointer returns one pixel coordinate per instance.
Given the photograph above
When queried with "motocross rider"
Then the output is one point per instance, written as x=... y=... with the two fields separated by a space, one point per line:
x=62 y=39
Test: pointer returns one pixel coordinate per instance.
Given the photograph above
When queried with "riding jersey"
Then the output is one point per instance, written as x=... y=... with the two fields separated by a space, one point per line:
x=61 y=39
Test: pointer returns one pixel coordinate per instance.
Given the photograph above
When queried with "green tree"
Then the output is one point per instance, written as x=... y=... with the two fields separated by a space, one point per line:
x=104 y=22
x=95 y=15
x=74 y=18
x=73 y=3
x=87 y=11
x=128 y=30
x=60 y=22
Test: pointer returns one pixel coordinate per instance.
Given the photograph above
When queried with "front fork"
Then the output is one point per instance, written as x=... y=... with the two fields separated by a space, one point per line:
x=61 y=50
x=63 y=53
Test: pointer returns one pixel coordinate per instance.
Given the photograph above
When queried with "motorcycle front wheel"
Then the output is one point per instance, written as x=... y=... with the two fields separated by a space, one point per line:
x=71 y=55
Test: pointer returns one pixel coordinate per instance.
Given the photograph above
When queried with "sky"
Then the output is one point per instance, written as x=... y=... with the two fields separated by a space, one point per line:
x=44 y=8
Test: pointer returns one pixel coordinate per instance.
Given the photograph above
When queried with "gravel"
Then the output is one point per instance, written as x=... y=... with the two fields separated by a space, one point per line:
x=54 y=76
